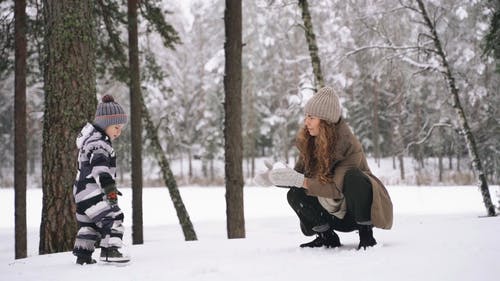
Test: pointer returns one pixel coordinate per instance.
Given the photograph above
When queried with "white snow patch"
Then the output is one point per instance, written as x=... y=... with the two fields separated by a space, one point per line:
x=480 y=68
x=461 y=13
x=437 y=235
x=216 y=62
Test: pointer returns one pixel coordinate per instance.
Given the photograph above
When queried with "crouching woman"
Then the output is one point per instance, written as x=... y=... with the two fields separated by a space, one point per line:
x=332 y=187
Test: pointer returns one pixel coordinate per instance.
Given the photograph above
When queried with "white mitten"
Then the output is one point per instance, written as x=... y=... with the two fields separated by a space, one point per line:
x=262 y=178
x=286 y=177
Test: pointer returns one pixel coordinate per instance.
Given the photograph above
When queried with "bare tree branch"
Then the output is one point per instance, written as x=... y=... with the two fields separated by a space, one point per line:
x=427 y=136
x=389 y=47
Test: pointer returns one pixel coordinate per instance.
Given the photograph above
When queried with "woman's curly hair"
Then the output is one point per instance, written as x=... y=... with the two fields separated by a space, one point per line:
x=317 y=152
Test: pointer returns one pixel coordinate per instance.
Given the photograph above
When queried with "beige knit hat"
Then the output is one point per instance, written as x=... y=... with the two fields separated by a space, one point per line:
x=324 y=105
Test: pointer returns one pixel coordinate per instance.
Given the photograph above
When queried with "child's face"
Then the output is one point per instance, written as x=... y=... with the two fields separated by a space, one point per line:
x=114 y=131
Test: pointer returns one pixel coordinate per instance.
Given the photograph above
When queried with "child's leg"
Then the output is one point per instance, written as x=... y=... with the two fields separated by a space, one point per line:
x=108 y=219
x=86 y=196
x=86 y=237
x=112 y=228
x=112 y=234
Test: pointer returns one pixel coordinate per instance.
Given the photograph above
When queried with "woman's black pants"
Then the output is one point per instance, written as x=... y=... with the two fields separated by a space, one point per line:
x=357 y=193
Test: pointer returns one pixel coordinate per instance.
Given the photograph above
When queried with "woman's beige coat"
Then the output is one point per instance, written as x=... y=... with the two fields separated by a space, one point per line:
x=348 y=155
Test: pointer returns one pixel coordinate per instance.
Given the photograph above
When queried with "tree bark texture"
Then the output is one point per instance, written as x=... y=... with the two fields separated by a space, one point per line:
x=233 y=140
x=135 y=124
x=456 y=104
x=69 y=84
x=312 y=45
x=20 y=142
x=168 y=177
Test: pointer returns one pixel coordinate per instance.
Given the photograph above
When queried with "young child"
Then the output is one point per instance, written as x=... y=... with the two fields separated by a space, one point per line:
x=97 y=211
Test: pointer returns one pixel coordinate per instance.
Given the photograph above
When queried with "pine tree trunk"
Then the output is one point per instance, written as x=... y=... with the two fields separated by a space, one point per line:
x=190 y=164
x=70 y=101
x=311 y=44
x=440 y=164
x=212 y=170
x=400 y=132
x=20 y=147
x=135 y=124
x=401 y=167
x=252 y=123
x=418 y=149
x=182 y=164
x=168 y=177
x=204 y=168
x=252 y=174
x=456 y=104
x=233 y=141
x=375 y=127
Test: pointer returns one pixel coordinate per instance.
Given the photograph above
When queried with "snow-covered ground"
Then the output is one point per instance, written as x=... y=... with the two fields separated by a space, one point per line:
x=438 y=234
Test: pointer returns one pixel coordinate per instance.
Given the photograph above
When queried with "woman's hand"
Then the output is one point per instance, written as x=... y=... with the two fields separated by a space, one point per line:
x=286 y=177
x=262 y=178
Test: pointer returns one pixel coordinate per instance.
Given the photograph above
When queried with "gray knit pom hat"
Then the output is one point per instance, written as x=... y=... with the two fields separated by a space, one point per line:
x=109 y=113
x=324 y=105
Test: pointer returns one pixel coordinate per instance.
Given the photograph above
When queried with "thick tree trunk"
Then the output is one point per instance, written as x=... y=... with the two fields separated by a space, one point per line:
x=70 y=101
x=135 y=124
x=311 y=44
x=168 y=177
x=456 y=104
x=20 y=150
x=233 y=141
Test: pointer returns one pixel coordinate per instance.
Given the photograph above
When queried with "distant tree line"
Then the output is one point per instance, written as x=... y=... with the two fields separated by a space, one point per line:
x=390 y=100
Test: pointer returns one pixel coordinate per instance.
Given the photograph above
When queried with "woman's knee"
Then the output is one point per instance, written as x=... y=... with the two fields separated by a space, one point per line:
x=355 y=181
x=353 y=175
x=295 y=195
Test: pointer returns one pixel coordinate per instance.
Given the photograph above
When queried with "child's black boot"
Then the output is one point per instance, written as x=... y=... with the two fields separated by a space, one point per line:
x=85 y=260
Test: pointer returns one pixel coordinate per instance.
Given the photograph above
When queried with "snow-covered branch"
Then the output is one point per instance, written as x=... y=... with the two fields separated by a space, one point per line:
x=428 y=135
x=389 y=47
x=425 y=66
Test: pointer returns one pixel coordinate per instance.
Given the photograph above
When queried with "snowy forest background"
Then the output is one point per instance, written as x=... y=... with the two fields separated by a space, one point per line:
x=370 y=50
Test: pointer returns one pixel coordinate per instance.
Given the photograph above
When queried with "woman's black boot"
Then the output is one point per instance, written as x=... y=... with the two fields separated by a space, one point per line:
x=327 y=238
x=366 y=237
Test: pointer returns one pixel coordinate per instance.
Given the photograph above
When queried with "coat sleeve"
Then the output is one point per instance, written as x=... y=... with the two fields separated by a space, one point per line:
x=100 y=161
x=299 y=166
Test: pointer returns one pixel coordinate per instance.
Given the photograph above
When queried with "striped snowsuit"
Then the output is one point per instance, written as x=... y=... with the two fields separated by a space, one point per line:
x=96 y=217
